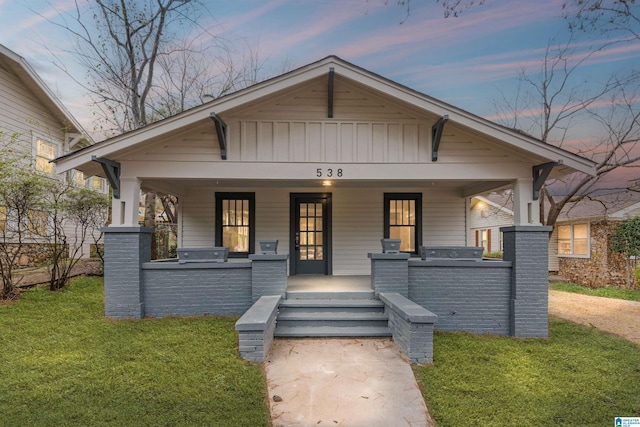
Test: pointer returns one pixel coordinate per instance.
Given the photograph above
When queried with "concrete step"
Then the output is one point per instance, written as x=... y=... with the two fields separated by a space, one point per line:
x=338 y=319
x=332 y=331
x=331 y=303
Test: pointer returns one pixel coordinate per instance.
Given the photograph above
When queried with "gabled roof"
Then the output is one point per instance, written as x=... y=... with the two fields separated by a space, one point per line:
x=610 y=205
x=19 y=66
x=616 y=205
x=516 y=141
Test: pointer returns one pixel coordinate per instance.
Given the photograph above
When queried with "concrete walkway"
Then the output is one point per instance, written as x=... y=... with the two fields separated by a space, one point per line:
x=342 y=382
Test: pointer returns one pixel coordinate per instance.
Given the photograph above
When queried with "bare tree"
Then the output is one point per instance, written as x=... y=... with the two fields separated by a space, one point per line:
x=21 y=191
x=616 y=18
x=148 y=60
x=451 y=8
x=73 y=214
x=552 y=103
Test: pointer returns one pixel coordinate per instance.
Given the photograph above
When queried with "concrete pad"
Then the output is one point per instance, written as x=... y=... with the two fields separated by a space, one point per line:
x=342 y=382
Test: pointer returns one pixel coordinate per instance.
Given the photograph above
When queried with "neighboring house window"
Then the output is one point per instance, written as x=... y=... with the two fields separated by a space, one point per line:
x=37 y=222
x=98 y=184
x=3 y=219
x=573 y=239
x=77 y=178
x=403 y=219
x=45 y=152
x=235 y=222
x=483 y=238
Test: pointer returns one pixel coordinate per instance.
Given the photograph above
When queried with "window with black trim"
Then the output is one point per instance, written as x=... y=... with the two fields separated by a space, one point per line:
x=235 y=223
x=403 y=219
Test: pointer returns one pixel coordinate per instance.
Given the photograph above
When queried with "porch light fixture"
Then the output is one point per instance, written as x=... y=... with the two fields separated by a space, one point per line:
x=327 y=183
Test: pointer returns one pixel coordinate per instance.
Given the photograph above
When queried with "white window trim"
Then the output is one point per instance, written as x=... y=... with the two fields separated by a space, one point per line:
x=585 y=256
x=34 y=150
x=104 y=186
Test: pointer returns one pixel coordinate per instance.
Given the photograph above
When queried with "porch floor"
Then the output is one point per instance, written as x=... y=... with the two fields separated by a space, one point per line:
x=320 y=283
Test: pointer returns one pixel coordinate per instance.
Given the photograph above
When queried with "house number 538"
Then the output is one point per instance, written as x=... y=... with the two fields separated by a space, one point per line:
x=328 y=173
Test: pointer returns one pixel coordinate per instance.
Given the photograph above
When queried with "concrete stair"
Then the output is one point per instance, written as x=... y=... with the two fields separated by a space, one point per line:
x=332 y=314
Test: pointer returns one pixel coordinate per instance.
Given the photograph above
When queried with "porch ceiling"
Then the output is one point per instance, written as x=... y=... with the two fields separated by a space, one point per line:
x=179 y=187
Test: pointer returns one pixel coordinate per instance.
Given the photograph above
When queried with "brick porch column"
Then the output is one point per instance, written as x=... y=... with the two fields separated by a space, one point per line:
x=390 y=273
x=527 y=247
x=268 y=275
x=125 y=249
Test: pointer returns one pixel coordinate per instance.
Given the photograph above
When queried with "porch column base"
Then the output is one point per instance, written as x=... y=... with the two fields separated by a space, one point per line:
x=125 y=249
x=268 y=275
x=527 y=247
x=390 y=273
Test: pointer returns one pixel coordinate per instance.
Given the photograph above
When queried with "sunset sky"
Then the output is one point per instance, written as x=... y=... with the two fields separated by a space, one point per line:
x=471 y=61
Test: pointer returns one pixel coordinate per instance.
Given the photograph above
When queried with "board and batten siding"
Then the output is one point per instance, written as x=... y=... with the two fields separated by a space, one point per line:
x=357 y=216
x=367 y=127
x=329 y=141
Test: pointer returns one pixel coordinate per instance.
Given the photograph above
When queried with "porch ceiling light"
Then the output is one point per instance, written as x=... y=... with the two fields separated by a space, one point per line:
x=327 y=183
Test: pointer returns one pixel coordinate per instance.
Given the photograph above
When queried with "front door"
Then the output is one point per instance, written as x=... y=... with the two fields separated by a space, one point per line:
x=310 y=233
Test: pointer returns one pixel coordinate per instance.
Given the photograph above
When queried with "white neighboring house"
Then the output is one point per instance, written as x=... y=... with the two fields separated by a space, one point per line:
x=579 y=244
x=42 y=127
x=486 y=217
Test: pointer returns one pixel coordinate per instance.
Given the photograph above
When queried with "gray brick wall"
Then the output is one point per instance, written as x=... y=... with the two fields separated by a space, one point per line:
x=465 y=295
x=411 y=326
x=527 y=248
x=256 y=328
x=268 y=275
x=126 y=248
x=389 y=273
x=199 y=290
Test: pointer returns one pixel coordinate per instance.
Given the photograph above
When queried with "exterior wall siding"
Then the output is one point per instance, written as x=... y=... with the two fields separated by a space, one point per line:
x=488 y=217
x=21 y=113
x=357 y=220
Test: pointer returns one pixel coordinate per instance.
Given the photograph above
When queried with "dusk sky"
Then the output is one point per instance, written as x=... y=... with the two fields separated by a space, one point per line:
x=469 y=61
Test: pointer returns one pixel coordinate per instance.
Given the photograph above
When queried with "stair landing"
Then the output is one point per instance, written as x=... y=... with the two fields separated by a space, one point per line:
x=355 y=313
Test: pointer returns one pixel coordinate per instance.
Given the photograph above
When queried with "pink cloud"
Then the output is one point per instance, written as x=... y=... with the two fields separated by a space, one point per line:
x=54 y=10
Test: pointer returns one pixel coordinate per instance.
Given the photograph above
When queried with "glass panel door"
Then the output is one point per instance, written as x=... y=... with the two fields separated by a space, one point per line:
x=310 y=233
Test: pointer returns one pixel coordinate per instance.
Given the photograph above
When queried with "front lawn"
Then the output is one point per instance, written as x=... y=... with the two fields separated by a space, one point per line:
x=619 y=293
x=578 y=377
x=62 y=363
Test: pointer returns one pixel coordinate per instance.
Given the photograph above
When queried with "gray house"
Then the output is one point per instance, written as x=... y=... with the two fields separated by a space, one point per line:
x=328 y=160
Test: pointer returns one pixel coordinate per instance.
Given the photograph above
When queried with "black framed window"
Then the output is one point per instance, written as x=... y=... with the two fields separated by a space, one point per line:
x=235 y=223
x=403 y=219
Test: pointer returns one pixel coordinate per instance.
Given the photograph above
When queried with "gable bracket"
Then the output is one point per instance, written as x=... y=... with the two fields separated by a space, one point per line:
x=221 y=130
x=73 y=139
x=540 y=175
x=330 y=94
x=436 y=134
x=112 y=171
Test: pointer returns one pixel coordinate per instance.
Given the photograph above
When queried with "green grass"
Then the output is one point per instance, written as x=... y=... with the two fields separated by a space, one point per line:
x=619 y=293
x=579 y=377
x=63 y=364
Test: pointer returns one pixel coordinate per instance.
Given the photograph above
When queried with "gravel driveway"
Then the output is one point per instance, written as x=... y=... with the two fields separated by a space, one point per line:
x=616 y=316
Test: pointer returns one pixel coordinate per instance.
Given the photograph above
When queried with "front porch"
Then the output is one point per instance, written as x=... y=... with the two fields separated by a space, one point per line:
x=506 y=297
